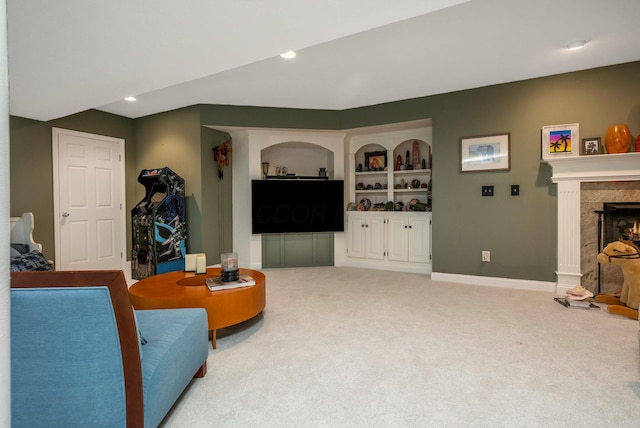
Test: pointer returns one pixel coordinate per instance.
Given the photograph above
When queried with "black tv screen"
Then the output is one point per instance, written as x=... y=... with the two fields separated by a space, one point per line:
x=296 y=206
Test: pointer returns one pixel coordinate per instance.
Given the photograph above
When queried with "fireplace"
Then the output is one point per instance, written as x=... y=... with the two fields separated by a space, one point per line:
x=621 y=221
x=569 y=173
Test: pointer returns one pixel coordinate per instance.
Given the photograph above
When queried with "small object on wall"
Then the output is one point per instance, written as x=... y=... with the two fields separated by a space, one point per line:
x=222 y=156
x=617 y=139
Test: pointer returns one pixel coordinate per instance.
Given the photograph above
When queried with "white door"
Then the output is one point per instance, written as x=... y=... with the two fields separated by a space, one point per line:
x=88 y=181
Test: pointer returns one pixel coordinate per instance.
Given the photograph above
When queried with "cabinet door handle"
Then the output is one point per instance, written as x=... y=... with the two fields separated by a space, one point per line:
x=409 y=226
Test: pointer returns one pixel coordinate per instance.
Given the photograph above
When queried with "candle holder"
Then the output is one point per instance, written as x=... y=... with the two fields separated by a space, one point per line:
x=265 y=170
x=229 y=267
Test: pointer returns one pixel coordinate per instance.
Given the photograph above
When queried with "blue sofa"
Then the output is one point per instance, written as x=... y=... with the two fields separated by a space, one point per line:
x=82 y=357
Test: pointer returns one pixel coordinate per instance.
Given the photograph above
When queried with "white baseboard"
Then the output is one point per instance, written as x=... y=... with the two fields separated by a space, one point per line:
x=520 y=284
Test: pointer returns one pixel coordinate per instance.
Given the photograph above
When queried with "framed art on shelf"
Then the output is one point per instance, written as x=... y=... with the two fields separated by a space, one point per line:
x=375 y=161
x=591 y=146
x=560 y=141
x=485 y=153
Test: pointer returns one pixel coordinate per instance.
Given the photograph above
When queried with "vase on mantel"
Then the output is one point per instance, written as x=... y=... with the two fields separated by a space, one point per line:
x=617 y=139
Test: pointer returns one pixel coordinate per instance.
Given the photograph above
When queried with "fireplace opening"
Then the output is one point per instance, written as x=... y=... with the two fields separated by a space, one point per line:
x=616 y=221
x=621 y=221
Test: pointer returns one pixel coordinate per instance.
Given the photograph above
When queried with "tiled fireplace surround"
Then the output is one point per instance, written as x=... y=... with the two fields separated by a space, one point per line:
x=584 y=183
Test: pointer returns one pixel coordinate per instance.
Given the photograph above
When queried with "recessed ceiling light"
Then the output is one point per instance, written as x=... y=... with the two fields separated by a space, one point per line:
x=578 y=44
x=288 y=55
x=130 y=99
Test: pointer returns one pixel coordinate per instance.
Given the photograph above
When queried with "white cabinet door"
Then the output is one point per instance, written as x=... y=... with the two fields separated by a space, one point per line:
x=355 y=235
x=365 y=235
x=418 y=239
x=398 y=234
x=375 y=236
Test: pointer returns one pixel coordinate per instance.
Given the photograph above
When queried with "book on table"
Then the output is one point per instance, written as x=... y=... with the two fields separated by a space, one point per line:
x=215 y=283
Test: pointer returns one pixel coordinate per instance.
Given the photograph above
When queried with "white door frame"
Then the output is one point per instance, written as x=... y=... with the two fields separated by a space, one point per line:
x=120 y=181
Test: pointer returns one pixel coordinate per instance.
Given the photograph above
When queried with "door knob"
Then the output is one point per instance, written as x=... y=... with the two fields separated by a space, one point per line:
x=65 y=214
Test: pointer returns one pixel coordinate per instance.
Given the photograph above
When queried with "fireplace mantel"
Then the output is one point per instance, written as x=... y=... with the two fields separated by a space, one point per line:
x=568 y=173
x=596 y=168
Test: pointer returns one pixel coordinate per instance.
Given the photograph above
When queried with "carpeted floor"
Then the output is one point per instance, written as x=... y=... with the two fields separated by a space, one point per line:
x=348 y=347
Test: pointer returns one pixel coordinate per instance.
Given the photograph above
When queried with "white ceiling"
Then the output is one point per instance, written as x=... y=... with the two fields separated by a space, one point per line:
x=68 y=56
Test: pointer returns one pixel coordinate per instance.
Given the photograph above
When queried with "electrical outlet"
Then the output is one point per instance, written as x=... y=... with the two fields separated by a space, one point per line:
x=515 y=189
x=487 y=190
x=486 y=256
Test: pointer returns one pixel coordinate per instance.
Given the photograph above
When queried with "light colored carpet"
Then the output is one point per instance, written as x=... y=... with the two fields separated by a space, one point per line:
x=348 y=347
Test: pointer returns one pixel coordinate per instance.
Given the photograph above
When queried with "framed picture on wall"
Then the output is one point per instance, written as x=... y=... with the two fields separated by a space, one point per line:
x=485 y=153
x=591 y=146
x=560 y=141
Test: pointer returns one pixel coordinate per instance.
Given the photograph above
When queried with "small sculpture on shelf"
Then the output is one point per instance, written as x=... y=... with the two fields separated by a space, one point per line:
x=398 y=163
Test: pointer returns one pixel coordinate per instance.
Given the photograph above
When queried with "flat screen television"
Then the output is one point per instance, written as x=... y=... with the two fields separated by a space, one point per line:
x=297 y=206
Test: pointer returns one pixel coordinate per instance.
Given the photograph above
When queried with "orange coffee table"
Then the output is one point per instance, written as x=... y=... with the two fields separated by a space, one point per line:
x=187 y=290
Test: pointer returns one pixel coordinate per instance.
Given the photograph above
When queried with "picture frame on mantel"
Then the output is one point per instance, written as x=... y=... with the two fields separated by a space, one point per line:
x=591 y=146
x=560 y=141
x=485 y=153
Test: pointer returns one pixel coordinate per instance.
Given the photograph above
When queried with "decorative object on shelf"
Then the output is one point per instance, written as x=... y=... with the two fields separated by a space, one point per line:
x=415 y=183
x=265 y=170
x=617 y=139
x=378 y=206
x=375 y=161
x=388 y=206
x=360 y=186
x=222 y=156
x=485 y=153
x=369 y=186
x=407 y=160
x=423 y=185
x=377 y=186
x=384 y=186
x=359 y=168
x=560 y=140
x=416 y=154
x=591 y=146
x=322 y=172
x=397 y=186
x=403 y=185
x=365 y=203
x=424 y=164
x=398 y=163
x=399 y=206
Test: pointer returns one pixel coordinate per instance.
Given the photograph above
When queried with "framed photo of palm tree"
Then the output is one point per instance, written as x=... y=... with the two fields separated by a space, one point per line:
x=560 y=141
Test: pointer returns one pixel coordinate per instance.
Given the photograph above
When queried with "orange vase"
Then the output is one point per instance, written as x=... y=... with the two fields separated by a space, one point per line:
x=617 y=139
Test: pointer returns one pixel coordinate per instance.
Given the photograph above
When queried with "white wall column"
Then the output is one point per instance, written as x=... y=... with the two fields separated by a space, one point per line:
x=5 y=306
x=568 y=273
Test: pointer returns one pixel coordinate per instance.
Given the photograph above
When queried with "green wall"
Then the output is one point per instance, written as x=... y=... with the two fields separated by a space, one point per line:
x=519 y=231
x=31 y=163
